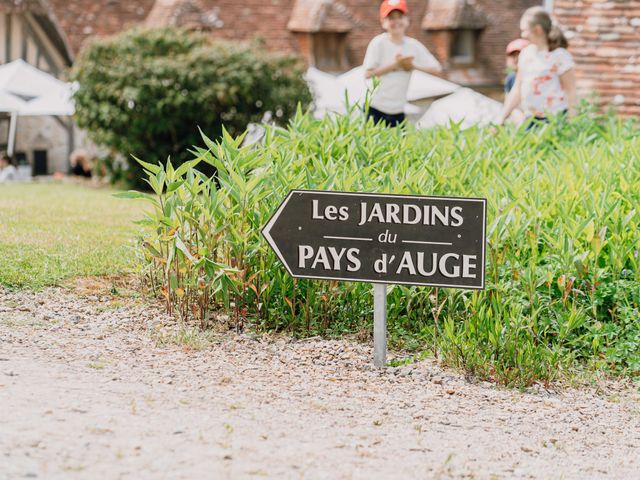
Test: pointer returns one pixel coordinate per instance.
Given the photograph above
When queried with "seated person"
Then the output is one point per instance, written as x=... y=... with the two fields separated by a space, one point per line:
x=8 y=172
x=80 y=164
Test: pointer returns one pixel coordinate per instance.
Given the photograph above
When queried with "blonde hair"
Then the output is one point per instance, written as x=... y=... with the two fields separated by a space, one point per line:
x=539 y=16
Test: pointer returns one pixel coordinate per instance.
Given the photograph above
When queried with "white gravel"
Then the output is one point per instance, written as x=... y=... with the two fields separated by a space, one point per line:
x=88 y=390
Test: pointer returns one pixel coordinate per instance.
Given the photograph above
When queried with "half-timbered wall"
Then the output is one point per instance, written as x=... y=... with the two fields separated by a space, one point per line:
x=22 y=37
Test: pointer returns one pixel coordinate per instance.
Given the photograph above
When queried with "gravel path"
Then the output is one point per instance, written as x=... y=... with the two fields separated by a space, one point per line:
x=94 y=387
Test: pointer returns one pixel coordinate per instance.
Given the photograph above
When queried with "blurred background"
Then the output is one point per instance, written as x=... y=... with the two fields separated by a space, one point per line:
x=468 y=37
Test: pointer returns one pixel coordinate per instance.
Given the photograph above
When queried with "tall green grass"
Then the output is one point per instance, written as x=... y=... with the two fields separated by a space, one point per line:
x=563 y=286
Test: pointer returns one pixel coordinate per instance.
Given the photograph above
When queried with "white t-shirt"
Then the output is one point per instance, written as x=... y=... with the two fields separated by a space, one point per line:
x=391 y=95
x=540 y=71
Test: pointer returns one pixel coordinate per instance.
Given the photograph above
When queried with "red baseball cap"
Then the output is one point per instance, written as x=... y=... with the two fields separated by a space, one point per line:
x=389 y=6
x=517 y=45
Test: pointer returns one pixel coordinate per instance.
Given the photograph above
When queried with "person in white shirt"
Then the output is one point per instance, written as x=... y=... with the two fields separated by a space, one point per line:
x=391 y=56
x=8 y=173
x=545 y=83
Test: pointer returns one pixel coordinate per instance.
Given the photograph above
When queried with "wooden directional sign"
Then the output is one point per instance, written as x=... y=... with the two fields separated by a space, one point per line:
x=365 y=237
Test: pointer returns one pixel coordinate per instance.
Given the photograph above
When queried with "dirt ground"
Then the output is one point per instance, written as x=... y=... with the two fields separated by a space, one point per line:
x=95 y=386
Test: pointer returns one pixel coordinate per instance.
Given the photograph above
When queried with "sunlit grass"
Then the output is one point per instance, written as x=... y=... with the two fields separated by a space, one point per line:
x=50 y=232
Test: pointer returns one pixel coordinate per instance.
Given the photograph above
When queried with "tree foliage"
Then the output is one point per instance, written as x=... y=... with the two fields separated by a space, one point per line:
x=146 y=92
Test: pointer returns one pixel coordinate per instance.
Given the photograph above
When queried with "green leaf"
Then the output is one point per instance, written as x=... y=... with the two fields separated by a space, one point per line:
x=589 y=231
x=152 y=249
x=183 y=248
x=182 y=169
x=154 y=169
x=131 y=194
x=172 y=187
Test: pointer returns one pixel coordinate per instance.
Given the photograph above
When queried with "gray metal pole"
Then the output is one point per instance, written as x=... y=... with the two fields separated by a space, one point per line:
x=71 y=144
x=11 y=146
x=379 y=325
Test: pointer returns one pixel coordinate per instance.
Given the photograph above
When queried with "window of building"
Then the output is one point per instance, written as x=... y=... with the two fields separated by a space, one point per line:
x=330 y=51
x=463 y=46
x=321 y=28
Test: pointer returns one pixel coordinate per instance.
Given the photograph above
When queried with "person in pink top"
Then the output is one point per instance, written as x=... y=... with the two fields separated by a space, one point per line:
x=545 y=83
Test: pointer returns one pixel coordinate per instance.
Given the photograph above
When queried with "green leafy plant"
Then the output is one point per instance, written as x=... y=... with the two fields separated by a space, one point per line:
x=563 y=285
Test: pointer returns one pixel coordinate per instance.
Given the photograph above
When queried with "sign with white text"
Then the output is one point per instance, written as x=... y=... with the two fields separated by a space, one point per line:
x=380 y=238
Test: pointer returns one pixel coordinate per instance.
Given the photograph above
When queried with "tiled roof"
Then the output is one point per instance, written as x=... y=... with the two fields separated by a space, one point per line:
x=453 y=14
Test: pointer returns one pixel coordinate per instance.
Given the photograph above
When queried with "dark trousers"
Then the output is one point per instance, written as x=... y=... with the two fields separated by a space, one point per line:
x=390 y=120
x=536 y=122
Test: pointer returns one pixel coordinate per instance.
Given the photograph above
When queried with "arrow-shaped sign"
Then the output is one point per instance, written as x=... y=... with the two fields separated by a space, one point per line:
x=380 y=238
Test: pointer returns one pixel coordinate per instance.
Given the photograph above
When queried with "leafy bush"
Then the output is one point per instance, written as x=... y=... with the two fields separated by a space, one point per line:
x=563 y=278
x=149 y=90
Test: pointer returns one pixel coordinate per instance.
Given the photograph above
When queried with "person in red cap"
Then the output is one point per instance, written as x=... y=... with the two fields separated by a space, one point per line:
x=391 y=56
x=513 y=52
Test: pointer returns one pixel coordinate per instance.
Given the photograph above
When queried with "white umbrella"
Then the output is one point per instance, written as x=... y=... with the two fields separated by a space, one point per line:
x=424 y=85
x=38 y=92
x=26 y=90
x=355 y=84
x=55 y=103
x=327 y=92
x=330 y=91
x=465 y=106
x=10 y=103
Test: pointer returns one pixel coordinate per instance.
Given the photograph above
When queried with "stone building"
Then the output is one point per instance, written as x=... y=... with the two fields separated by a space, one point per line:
x=604 y=38
x=29 y=30
x=468 y=36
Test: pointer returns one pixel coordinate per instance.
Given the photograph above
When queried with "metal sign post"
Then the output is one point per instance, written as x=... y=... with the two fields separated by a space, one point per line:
x=381 y=239
x=379 y=324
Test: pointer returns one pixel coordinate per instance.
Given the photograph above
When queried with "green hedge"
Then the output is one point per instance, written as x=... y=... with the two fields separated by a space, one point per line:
x=563 y=284
x=146 y=92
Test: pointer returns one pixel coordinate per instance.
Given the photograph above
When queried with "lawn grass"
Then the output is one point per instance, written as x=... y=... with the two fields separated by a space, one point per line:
x=51 y=231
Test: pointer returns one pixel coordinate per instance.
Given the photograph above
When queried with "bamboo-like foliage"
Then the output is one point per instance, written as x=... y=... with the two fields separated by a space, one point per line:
x=563 y=285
